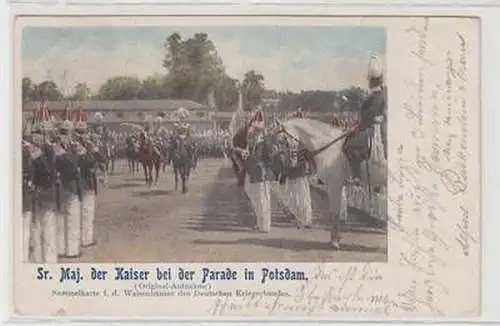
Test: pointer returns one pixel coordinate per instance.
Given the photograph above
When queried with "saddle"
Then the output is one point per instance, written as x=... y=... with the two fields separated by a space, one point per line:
x=357 y=144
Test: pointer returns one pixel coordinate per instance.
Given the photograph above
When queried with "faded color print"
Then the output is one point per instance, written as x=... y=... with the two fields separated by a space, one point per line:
x=140 y=78
x=314 y=168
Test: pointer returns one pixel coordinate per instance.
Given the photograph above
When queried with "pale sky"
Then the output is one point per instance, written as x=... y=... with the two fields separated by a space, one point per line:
x=290 y=58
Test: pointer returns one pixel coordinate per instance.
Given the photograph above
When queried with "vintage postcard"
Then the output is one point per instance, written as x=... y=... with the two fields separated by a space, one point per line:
x=251 y=167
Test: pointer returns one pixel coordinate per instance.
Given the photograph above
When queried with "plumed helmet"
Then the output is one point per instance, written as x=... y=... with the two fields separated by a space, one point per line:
x=80 y=123
x=182 y=114
x=257 y=119
x=375 y=69
x=45 y=119
x=67 y=124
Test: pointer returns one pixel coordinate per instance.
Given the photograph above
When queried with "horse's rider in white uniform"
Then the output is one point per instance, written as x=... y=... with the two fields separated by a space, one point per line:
x=357 y=145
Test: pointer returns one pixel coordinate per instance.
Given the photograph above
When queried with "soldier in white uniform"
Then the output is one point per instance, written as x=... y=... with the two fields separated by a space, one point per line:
x=89 y=189
x=296 y=192
x=68 y=226
x=259 y=192
x=30 y=152
x=45 y=210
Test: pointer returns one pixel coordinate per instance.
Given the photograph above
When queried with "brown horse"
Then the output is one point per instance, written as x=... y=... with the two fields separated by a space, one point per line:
x=132 y=154
x=150 y=157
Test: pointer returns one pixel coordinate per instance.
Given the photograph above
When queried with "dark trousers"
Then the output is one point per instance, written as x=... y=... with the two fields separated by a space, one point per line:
x=383 y=131
x=356 y=149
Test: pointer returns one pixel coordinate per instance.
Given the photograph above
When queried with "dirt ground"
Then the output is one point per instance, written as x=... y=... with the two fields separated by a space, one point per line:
x=211 y=223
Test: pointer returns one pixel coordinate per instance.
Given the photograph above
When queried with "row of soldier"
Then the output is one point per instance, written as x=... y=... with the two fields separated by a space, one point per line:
x=60 y=164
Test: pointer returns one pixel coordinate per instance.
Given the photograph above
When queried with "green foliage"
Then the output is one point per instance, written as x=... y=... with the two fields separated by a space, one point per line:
x=322 y=101
x=120 y=88
x=193 y=69
x=81 y=92
x=154 y=87
x=36 y=92
x=253 y=89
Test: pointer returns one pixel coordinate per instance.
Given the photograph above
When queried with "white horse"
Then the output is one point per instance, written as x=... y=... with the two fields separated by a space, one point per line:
x=325 y=144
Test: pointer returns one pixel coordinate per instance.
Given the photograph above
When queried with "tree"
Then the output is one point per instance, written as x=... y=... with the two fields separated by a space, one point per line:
x=81 y=92
x=194 y=66
x=120 y=88
x=226 y=93
x=253 y=89
x=28 y=88
x=47 y=90
x=154 y=87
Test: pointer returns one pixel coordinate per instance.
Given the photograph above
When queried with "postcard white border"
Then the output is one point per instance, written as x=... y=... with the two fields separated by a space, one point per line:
x=490 y=119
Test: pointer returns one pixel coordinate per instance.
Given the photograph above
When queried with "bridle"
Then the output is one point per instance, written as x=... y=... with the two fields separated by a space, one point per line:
x=282 y=130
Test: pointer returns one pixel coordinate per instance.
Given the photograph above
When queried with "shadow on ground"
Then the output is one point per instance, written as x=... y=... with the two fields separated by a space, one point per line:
x=124 y=185
x=293 y=244
x=227 y=208
x=152 y=192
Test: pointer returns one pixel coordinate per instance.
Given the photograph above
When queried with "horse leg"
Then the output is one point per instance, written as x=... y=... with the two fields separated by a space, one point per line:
x=335 y=183
x=175 y=176
x=183 y=179
x=157 y=171
x=150 y=172
x=145 y=173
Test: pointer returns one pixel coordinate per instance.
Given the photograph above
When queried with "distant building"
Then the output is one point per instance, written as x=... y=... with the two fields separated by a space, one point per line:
x=144 y=111
x=132 y=111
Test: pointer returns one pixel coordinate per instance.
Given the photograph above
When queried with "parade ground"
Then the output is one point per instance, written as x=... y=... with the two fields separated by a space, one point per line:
x=211 y=223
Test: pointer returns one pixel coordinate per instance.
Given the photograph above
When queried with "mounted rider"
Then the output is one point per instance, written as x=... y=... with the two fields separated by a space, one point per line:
x=181 y=126
x=357 y=146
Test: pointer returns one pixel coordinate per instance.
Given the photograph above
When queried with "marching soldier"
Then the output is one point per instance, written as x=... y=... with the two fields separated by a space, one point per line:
x=28 y=186
x=70 y=218
x=259 y=191
x=356 y=148
x=66 y=129
x=89 y=188
x=45 y=210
